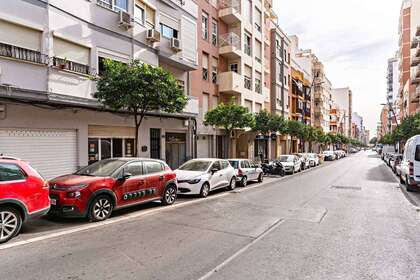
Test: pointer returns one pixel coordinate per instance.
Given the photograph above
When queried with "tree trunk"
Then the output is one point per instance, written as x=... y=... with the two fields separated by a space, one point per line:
x=137 y=121
x=228 y=133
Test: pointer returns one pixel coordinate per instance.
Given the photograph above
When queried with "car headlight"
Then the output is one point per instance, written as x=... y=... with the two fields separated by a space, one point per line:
x=194 y=181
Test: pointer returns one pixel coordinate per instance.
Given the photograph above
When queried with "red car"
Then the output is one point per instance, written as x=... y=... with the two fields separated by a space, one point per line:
x=98 y=189
x=23 y=195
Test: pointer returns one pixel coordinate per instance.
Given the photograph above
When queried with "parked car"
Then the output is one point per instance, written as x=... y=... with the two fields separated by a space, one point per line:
x=246 y=170
x=313 y=159
x=98 y=189
x=23 y=195
x=395 y=161
x=410 y=164
x=201 y=176
x=329 y=155
x=305 y=164
x=290 y=163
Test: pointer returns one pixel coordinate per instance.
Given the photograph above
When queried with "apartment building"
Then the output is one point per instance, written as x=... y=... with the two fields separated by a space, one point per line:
x=49 y=50
x=409 y=56
x=392 y=94
x=244 y=65
x=322 y=97
x=343 y=98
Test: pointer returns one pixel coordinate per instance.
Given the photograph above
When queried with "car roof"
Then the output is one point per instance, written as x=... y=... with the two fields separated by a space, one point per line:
x=129 y=159
x=238 y=159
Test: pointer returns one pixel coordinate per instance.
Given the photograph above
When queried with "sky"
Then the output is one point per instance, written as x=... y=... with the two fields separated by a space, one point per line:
x=353 y=38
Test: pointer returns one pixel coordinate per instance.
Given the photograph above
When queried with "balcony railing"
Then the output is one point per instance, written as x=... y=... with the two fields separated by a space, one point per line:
x=234 y=4
x=71 y=66
x=19 y=53
x=230 y=39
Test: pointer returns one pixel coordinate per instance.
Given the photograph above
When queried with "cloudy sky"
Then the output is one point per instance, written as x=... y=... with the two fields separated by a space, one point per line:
x=353 y=38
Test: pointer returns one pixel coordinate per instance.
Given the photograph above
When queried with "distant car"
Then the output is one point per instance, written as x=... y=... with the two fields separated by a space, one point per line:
x=305 y=163
x=353 y=150
x=329 y=155
x=395 y=161
x=201 y=176
x=313 y=159
x=410 y=164
x=290 y=163
x=23 y=195
x=246 y=170
x=98 y=189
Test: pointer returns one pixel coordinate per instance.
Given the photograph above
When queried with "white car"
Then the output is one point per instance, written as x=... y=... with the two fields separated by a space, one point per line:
x=313 y=159
x=201 y=176
x=329 y=155
x=291 y=163
x=246 y=171
x=410 y=164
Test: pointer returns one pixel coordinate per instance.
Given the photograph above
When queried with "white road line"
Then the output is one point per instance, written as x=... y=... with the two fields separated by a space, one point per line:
x=139 y=214
x=241 y=251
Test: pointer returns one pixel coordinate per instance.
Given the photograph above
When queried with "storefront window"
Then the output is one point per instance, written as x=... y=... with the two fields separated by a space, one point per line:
x=129 y=147
x=104 y=148
x=117 y=147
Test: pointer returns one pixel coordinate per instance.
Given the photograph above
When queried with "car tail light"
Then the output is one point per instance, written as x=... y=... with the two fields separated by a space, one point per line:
x=411 y=168
x=46 y=186
x=240 y=173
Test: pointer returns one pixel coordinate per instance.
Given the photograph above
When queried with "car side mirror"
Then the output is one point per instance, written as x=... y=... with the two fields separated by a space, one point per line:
x=214 y=170
x=125 y=176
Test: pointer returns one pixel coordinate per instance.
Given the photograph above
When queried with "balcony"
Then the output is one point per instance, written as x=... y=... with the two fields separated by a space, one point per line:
x=72 y=66
x=230 y=45
x=415 y=42
x=230 y=83
x=318 y=97
x=415 y=77
x=23 y=54
x=415 y=60
x=230 y=11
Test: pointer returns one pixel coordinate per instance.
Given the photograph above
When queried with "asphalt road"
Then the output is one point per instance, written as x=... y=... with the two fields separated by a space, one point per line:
x=345 y=220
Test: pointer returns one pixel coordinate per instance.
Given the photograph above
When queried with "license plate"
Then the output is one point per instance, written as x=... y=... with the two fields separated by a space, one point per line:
x=53 y=202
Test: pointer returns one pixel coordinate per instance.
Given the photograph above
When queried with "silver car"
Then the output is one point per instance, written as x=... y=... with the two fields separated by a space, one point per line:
x=246 y=170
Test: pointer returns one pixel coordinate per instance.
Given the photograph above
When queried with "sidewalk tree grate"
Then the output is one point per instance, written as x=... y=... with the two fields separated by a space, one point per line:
x=354 y=188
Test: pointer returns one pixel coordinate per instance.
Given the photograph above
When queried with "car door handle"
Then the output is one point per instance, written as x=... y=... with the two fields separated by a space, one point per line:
x=161 y=178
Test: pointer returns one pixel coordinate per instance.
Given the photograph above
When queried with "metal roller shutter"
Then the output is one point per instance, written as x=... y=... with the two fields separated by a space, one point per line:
x=51 y=152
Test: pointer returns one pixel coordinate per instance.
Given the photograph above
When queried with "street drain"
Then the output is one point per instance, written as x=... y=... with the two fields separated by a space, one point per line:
x=347 y=188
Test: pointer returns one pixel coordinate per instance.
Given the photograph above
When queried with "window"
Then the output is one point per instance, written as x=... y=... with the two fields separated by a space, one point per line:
x=258 y=51
x=168 y=32
x=248 y=44
x=101 y=64
x=10 y=172
x=205 y=26
x=258 y=82
x=139 y=14
x=216 y=165
x=214 y=32
x=247 y=82
x=233 y=67
x=258 y=20
x=71 y=56
x=417 y=156
x=205 y=103
x=245 y=164
x=214 y=65
x=181 y=85
x=150 y=17
x=205 y=65
x=225 y=164
x=151 y=167
x=248 y=11
x=117 y=5
x=134 y=168
x=103 y=148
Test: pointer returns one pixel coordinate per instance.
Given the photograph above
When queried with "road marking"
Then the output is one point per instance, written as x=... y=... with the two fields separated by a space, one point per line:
x=142 y=213
x=242 y=250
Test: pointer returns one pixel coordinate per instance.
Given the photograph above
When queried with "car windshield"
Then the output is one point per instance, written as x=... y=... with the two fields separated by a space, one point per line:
x=286 y=159
x=101 y=168
x=234 y=163
x=195 y=165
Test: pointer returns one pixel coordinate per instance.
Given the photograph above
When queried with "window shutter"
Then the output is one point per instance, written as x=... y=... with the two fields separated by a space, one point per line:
x=71 y=51
x=20 y=36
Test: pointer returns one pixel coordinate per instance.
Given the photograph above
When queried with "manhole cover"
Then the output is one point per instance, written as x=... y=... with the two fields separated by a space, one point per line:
x=347 y=188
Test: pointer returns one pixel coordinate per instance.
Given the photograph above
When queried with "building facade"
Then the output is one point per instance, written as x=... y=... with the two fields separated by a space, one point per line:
x=343 y=98
x=58 y=47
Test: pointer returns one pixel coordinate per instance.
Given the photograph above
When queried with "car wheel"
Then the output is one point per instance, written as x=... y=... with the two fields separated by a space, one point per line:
x=10 y=223
x=169 y=196
x=101 y=208
x=232 y=184
x=244 y=182
x=205 y=190
x=407 y=185
x=261 y=178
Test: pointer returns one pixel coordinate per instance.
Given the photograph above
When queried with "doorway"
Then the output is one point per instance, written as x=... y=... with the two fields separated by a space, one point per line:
x=175 y=149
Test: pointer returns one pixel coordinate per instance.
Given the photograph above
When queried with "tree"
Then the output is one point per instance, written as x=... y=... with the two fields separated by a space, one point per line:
x=229 y=117
x=374 y=140
x=266 y=122
x=139 y=88
x=295 y=129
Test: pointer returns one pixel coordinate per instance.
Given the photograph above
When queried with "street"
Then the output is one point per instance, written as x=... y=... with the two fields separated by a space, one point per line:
x=344 y=220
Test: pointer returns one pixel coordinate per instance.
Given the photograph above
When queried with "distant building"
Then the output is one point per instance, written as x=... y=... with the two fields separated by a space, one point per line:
x=343 y=98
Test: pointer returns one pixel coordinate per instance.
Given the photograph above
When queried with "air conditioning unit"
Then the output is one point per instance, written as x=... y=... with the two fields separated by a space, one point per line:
x=175 y=44
x=125 y=20
x=153 y=35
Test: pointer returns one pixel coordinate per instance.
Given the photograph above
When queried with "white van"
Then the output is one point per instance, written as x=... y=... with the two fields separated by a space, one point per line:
x=410 y=164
